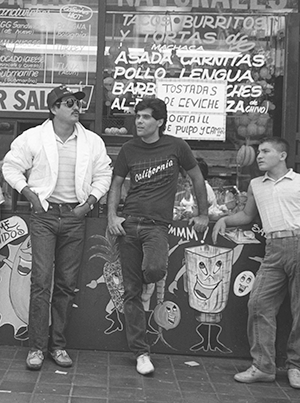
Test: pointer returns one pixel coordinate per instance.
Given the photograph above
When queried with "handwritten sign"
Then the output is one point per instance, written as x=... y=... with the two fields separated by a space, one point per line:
x=11 y=229
x=196 y=109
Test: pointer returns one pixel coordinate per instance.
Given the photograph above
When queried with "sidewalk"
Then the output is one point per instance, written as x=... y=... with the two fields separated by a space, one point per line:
x=110 y=377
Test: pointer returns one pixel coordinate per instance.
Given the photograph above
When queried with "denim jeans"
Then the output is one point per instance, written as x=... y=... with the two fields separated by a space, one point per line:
x=144 y=260
x=57 y=238
x=279 y=273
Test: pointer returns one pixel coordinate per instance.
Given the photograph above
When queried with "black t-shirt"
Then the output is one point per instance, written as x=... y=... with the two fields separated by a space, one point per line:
x=153 y=170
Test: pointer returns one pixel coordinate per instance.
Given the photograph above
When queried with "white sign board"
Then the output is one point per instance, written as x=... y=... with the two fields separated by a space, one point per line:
x=33 y=98
x=196 y=108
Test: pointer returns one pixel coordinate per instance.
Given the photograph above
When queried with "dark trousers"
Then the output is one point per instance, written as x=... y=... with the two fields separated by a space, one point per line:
x=144 y=259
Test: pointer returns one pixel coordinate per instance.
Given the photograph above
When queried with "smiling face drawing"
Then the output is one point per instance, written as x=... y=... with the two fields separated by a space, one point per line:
x=208 y=271
x=243 y=283
x=208 y=278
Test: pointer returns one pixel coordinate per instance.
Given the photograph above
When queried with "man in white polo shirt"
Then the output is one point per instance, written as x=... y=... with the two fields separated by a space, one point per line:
x=276 y=197
x=63 y=170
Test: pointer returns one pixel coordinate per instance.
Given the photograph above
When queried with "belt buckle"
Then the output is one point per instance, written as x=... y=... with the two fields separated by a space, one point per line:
x=284 y=234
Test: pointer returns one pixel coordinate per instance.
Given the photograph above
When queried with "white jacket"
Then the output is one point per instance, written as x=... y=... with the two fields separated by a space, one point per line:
x=33 y=161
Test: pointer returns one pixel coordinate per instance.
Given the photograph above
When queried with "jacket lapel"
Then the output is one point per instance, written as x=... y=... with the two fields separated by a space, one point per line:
x=50 y=147
x=83 y=155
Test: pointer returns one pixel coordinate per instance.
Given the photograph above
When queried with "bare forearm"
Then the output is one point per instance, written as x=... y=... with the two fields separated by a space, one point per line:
x=30 y=195
x=239 y=218
x=201 y=197
x=114 y=196
x=113 y=201
x=33 y=199
x=199 y=190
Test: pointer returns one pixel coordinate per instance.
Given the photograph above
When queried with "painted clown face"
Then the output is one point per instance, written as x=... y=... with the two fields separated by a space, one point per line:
x=243 y=283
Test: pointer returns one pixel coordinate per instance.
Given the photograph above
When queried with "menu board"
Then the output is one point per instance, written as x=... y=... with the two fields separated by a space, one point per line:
x=238 y=58
x=44 y=44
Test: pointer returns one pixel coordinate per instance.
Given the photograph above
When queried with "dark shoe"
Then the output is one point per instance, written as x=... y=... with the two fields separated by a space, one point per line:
x=144 y=365
x=294 y=377
x=35 y=359
x=62 y=358
x=252 y=375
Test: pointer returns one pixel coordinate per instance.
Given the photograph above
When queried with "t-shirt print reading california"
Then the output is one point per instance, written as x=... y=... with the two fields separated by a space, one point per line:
x=153 y=168
x=157 y=170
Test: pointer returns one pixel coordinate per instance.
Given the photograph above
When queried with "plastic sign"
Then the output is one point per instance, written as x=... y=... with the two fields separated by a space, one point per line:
x=208 y=5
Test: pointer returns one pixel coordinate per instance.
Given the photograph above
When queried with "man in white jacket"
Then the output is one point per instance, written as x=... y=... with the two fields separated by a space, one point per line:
x=63 y=170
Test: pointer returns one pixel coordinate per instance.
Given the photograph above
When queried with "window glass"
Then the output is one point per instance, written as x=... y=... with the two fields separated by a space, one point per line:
x=7 y=134
x=43 y=44
x=221 y=75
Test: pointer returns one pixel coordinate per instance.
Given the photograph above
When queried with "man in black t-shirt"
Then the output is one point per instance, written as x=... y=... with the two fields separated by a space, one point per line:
x=153 y=161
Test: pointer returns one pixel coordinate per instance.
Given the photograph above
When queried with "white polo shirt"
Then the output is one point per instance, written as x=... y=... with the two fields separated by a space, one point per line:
x=278 y=201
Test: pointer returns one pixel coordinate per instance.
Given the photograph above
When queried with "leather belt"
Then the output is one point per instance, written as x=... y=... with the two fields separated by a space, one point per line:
x=283 y=234
x=70 y=206
x=144 y=220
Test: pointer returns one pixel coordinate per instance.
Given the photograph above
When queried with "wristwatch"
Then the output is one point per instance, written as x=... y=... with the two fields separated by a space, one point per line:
x=91 y=206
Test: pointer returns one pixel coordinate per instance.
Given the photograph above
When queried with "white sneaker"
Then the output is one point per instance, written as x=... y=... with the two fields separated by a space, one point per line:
x=252 y=375
x=144 y=365
x=294 y=377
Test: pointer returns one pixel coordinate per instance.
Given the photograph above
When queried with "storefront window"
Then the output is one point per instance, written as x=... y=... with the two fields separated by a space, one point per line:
x=43 y=44
x=221 y=75
x=7 y=133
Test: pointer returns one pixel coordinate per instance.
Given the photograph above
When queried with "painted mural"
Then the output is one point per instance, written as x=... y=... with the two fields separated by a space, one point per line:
x=194 y=309
x=15 y=269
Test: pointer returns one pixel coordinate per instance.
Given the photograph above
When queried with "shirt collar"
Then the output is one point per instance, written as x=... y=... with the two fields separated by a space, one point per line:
x=74 y=135
x=289 y=175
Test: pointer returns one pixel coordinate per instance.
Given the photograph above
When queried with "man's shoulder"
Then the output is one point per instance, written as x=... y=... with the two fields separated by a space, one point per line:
x=173 y=139
x=34 y=131
x=83 y=130
x=258 y=179
x=134 y=142
x=176 y=141
x=91 y=137
x=293 y=175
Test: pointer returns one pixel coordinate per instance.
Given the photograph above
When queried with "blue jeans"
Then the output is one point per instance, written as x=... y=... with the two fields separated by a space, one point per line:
x=57 y=238
x=279 y=273
x=144 y=259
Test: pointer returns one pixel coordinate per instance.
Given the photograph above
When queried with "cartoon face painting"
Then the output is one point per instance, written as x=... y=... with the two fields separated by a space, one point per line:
x=208 y=278
x=208 y=272
x=167 y=315
x=243 y=283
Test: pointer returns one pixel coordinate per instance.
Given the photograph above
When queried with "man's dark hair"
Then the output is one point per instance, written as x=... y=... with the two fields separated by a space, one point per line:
x=203 y=167
x=159 y=110
x=279 y=143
